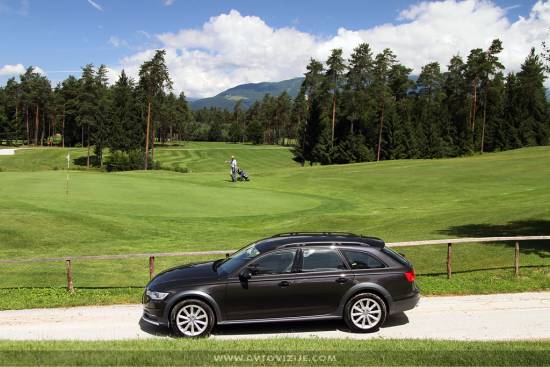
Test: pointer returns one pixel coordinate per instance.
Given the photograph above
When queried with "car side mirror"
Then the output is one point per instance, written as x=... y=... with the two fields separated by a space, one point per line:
x=245 y=274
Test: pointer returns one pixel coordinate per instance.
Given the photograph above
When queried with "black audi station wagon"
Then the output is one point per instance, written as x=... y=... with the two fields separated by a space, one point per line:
x=287 y=277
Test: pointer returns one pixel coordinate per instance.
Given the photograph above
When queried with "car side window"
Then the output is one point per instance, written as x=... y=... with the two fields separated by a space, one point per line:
x=362 y=260
x=279 y=262
x=322 y=260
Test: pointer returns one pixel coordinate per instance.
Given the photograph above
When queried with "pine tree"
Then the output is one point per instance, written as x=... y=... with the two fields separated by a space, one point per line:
x=126 y=131
x=154 y=79
x=87 y=106
x=383 y=63
x=456 y=104
x=534 y=118
x=101 y=129
x=335 y=71
x=430 y=100
x=491 y=67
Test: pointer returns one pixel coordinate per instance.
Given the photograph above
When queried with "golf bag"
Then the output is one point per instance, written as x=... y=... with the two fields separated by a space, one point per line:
x=243 y=176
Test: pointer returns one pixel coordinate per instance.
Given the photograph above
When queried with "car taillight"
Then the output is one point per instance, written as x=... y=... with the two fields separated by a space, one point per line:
x=410 y=275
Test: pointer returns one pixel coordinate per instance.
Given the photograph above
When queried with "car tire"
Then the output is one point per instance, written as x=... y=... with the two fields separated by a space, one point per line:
x=365 y=312
x=192 y=318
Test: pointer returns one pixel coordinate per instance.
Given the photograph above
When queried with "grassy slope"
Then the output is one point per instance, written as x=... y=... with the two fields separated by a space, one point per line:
x=495 y=194
x=302 y=352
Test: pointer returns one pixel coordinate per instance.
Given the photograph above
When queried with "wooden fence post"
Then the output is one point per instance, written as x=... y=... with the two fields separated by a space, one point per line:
x=70 y=286
x=516 y=258
x=449 y=253
x=151 y=266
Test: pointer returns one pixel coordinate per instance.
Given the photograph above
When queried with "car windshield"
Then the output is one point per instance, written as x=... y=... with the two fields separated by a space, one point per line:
x=238 y=259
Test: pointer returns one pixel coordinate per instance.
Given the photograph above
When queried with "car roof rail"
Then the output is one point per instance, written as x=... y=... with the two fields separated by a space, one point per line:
x=288 y=234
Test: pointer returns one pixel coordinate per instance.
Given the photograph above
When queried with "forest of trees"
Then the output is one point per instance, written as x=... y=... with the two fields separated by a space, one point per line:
x=366 y=108
x=369 y=108
x=87 y=112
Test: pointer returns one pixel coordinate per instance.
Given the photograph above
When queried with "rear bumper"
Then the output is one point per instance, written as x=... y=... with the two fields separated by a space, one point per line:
x=405 y=304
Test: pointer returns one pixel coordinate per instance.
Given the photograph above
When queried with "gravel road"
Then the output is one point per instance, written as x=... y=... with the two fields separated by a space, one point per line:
x=486 y=317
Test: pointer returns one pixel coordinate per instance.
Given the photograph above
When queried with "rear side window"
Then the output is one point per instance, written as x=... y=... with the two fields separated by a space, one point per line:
x=394 y=255
x=322 y=260
x=362 y=260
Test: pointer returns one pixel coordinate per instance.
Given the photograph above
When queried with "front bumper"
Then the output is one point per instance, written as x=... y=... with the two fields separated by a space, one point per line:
x=154 y=311
x=150 y=319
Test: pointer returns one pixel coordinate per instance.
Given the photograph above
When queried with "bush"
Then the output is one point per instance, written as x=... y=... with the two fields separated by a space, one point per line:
x=176 y=169
x=122 y=161
x=82 y=161
x=181 y=169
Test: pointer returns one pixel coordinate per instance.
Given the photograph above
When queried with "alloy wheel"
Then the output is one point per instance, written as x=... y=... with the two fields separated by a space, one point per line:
x=365 y=313
x=192 y=320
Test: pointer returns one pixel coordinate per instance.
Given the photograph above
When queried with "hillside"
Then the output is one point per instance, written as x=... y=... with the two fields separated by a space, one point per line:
x=248 y=93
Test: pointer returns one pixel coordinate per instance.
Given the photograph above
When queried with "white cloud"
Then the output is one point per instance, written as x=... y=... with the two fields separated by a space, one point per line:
x=117 y=42
x=12 y=69
x=231 y=48
x=95 y=5
x=168 y=2
x=17 y=69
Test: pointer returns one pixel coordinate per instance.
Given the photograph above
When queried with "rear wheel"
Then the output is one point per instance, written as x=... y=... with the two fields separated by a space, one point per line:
x=365 y=312
x=192 y=318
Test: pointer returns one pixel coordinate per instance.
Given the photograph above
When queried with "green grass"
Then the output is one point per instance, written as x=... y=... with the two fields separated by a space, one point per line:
x=39 y=159
x=277 y=351
x=494 y=194
x=196 y=156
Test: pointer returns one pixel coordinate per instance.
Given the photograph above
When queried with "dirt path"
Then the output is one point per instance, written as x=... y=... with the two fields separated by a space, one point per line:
x=487 y=317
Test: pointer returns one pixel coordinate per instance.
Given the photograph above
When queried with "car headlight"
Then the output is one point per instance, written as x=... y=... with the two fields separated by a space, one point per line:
x=157 y=296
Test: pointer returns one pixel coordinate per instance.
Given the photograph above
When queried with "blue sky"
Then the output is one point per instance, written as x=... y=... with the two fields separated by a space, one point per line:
x=60 y=36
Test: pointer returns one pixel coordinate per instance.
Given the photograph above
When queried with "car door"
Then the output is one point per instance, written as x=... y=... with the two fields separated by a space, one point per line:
x=322 y=281
x=270 y=291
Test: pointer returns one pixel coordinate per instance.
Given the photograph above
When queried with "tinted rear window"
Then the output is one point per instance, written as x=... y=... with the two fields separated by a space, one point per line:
x=397 y=257
x=362 y=260
x=321 y=260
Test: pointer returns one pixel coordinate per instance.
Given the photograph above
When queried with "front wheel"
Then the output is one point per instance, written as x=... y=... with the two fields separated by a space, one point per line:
x=192 y=318
x=365 y=312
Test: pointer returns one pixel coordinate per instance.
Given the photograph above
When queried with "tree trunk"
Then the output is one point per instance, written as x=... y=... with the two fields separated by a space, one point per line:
x=483 y=124
x=333 y=118
x=474 y=107
x=16 y=117
x=88 y=157
x=63 y=130
x=82 y=136
x=36 y=125
x=153 y=137
x=147 y=134
x=27 y=125
x=380 y=134
x=43 y=129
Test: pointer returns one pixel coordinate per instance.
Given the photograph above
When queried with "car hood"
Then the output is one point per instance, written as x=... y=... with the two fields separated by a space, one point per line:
x=188 y=273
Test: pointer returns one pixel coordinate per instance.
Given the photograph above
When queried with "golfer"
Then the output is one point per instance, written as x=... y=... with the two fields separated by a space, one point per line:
x=234 y=168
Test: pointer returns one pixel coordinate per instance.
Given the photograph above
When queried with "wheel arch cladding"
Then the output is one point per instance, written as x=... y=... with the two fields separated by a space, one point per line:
x=201 y=296
x=366 y=288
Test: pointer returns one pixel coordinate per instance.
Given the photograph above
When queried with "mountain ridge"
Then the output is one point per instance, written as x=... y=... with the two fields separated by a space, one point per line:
x=248 y=93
